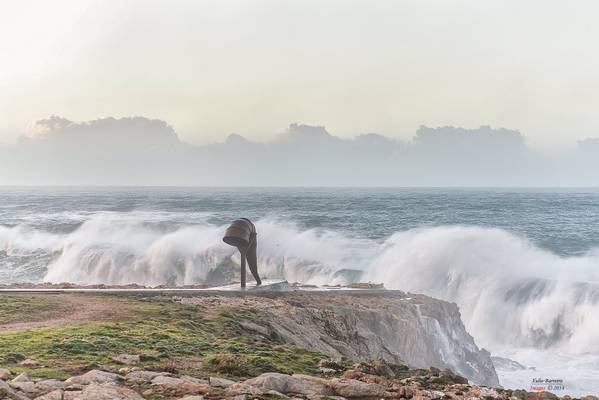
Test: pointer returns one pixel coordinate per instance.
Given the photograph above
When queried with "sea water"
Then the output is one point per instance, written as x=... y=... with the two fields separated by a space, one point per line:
x=522 y=264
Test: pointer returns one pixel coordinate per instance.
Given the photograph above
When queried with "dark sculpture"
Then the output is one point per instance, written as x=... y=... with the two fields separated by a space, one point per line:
x=242 y=234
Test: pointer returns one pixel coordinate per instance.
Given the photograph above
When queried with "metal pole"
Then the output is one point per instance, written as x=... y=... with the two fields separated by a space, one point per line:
x=243 y=268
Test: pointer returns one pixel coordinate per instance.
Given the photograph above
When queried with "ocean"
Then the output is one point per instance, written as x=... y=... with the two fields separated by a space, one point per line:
x=522 y=264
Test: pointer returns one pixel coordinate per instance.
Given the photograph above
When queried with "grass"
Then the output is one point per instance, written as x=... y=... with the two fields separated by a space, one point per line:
x=168 y=335
x=15 y=308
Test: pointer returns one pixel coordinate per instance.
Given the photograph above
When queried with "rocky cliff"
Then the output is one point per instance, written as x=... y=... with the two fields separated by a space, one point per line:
x=391 y=325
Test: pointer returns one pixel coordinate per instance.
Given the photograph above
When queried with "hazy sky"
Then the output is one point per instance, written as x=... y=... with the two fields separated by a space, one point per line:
x=210 y=68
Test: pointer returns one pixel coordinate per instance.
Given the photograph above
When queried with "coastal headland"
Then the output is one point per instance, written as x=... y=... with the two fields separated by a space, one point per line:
x=311 y=344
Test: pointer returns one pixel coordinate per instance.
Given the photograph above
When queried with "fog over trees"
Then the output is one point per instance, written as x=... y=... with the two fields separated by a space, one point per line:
x=142 y=151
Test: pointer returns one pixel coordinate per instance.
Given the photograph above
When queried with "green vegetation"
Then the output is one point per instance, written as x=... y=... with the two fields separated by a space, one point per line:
x=169 y=336
x=28 y=308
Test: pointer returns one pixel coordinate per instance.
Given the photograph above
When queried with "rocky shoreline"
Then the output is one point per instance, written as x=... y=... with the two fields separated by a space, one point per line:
x=375 y=380
x=269 y=345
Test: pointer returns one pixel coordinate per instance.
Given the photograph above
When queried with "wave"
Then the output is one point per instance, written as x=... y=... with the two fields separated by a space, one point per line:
x=510 y=292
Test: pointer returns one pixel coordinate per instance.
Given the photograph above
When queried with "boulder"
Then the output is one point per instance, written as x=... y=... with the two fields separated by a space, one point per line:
x=241 y=389
x=488 y=392
x=71 y=395
x=192 y=398
x=352 y=388
x=194 y=380
x=5 y=374
x=53 y=395
x=108 y=392
x=541 y=396
x=433 y=394
x=48 y=385
x=291 y=384
x=6 y=392
x=127 y=359
x=143 y=376
x=330 y=364
x=220 y=382
x=26 y=387
x=21 y=378
x=29 y=363
x=162 y=380
x=94 y=376
x=382 y=368
x=273 y=394
x=170 y=386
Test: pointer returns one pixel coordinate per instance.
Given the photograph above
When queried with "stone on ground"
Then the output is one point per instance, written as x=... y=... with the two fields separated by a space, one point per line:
x=108 y=392
x=29 y=363
x=170 y=386
x=352 y=388
x=94 y=376
x=143 y=376
x=21 y=378
x=127 y=359
x=5 y=374
x=6 y=392
x=220 y=382
x=290 y=384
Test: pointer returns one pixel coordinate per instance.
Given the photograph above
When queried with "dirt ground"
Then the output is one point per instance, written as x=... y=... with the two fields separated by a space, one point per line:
x=64 y=309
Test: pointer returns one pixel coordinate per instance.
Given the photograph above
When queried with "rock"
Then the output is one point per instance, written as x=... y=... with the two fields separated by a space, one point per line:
x=405 y=392
x=240 y=397
x=194 y=380
x=291 y=384
x=330 y=364
x=47 y=385
x=435 y=394
x=165 y=380
x=127 y=359
x=21 y=378
x=53 y=395
x=108 y=392
x=29 y=363
x=352 y=388
x=124 y=370
x=179 y=387
x=192 y=398
x=361 y=376
x=321 y=322
x=5 y=374
x=381 y=368
x=326 y=370
x=6 y=392
x=241 y=389
x=541 y=396
x=310 y=378
x=488 y=392
x=94 y=376
x=71 y=395
x=220 y=382
x=589 y=398
x=250 y=326
x=27 y=387
x=74 y=387
x=273 y=394
x=143 y=376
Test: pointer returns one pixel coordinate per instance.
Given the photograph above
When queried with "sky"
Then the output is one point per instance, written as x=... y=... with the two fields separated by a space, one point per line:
x=211 y=68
